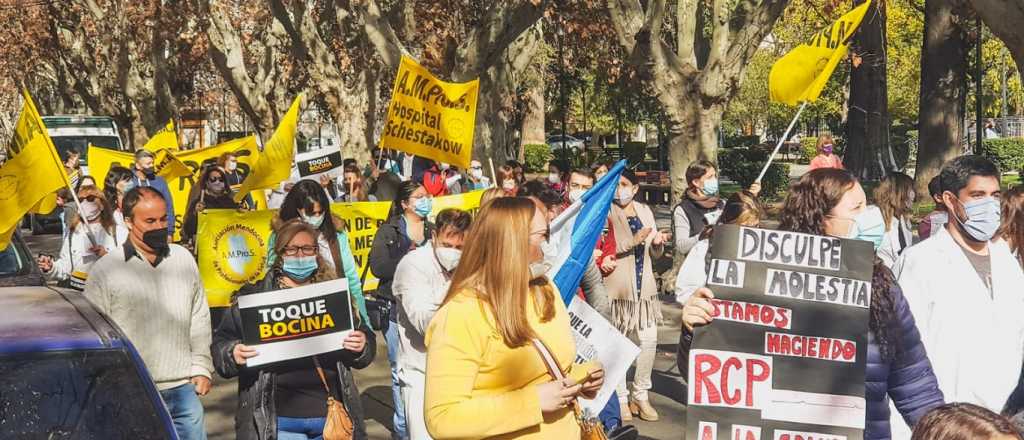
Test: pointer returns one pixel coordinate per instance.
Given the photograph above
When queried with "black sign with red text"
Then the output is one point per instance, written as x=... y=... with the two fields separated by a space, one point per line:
x=785 y=355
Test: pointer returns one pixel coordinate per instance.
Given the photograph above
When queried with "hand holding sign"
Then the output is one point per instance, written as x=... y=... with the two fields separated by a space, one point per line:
x=243 y=352
x=592 y=384
x=355 y=341
x=698 y=309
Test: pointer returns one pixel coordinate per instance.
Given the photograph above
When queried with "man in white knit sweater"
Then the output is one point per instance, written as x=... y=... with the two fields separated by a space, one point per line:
x=152 y=290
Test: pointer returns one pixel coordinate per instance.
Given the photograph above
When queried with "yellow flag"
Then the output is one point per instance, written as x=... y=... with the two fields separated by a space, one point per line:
x=31 y=174
x=275 y=161
x=168 y=166
x=165 y=163
x=429 y=117
x=167 y=138
x=800 y=75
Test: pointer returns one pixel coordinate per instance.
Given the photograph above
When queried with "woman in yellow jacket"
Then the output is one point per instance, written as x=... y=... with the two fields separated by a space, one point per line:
x=484 y=377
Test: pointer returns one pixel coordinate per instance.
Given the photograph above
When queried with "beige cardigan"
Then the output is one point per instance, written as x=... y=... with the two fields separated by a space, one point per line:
x=632 y=310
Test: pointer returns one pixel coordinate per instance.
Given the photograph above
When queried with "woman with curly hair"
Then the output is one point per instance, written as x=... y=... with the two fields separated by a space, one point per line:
x=831 y=202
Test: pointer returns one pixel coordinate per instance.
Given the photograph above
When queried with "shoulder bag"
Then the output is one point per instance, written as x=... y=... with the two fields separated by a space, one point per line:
x=339 y=424
x=590 y=429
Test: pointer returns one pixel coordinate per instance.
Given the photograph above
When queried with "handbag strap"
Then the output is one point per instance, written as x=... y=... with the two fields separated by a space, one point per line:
x=320 y=372
x=549 y=360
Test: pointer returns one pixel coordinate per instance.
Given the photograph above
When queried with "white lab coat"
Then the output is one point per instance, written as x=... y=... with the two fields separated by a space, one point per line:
x=890 y=249
x=975 y=341
x=693 y=273
x=75 y=257
x=420 y=288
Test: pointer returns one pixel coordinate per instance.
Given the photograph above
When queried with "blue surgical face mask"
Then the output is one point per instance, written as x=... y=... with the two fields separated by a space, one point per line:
x=982 y=218
x=423 y=206
x=869 y=225
x=299 y=268
x=313 y=220
x=710 y=187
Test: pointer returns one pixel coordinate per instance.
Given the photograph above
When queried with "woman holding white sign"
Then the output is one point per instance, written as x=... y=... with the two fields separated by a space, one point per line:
x=485 y=375
x=831 y=202
x=288 y=400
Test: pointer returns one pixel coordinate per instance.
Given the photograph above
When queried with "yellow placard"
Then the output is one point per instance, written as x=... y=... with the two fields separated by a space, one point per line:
x=167 y=165
x=429 y=117
x=232 y=246
x=800 y=75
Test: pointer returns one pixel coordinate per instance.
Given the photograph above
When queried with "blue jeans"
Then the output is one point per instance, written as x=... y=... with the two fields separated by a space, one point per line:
x=186 y=411
x=291 y=428
x=611 y=416
x=391 y=337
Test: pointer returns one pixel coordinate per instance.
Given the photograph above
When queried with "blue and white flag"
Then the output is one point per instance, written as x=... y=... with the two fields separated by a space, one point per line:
x=575 y=231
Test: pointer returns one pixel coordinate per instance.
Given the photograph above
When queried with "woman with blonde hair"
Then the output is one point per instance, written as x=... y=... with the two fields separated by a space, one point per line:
x=288 y=399
x=1011 y=228
x=894 y=196
x=485 y=377
x=826 y=157
x=91 y=234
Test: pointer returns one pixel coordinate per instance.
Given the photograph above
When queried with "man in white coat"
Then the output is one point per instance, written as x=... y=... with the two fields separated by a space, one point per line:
x=421 y=283
x=965 y=290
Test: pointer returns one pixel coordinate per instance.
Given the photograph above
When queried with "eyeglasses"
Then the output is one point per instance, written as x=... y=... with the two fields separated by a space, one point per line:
x=292 y=251
x=476 y=167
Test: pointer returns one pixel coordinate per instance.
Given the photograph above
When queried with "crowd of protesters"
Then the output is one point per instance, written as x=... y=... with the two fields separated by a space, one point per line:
x=472 y=324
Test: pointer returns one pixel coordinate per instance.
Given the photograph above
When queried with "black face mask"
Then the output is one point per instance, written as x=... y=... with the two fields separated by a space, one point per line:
x=156 y=239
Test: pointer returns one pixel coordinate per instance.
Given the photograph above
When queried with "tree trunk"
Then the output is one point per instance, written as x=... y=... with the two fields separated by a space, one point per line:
x=1004 y=18
x=533 y=120
x=943 y=69
x=692 y=132
x=868 y=154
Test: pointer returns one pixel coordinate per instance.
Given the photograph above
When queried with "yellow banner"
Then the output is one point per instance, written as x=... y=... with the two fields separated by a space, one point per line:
x=168 y=165
x=800 y=75
x=167 y=138
x=31 y=174
x=429 y=117
x=275 y=164
x=232 y=246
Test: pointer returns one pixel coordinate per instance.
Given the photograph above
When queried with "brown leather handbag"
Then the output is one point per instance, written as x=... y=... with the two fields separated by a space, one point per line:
x=339 y=424
x=590 y=429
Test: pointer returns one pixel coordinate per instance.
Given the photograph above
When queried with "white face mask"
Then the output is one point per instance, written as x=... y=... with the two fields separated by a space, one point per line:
x=539 y=269
x=445 y=166
x=553 y=178
x=508 y=185
x=576 y=194
x=624 y=196
x=447 y=257
x=477 y=174
x=89 y=210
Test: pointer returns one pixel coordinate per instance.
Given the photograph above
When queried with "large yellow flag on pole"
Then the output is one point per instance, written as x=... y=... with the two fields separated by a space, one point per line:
x=166 y=138
x=274 y=164
x=32 y=171
x=800 y=75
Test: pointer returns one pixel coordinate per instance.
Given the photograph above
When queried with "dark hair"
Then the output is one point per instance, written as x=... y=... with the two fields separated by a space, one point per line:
x=405 y=190
x=139 y=154
x=115 y=175
x=352 y=168
x=740 y=207
x=583 y=172
x=302 y=197
x=65 y=194
x=1011 y=228
x=136 y=195
x=73 y=151
x=222 y=160
x=453 y=218
x=957 y=172
x=806 y=209
x=562 y=165
x=205 y=178
x=962 y=421
x=531 y=188
x=696 y=170
x=513 y=164
x=349 y=162
x=935 y=187
x=630 y=176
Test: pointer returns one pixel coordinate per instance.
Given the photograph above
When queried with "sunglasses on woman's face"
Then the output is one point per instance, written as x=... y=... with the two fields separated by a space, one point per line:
x=216 y=179
x=90 y=199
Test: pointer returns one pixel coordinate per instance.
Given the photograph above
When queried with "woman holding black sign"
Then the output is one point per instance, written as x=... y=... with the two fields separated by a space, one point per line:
x=830 y=201
x=288 y=399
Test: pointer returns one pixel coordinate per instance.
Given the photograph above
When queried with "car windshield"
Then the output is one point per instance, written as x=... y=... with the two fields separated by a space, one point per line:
x=87 y=394
x=65 y=143
x=13 y=261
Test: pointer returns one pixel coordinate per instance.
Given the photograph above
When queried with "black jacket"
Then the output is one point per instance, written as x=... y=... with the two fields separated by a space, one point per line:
x=191 y=221
x=389 y=246
x=256 y=417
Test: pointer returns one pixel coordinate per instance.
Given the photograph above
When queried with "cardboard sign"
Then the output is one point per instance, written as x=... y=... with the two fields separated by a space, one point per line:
x=295 y=323
x=785 y=355
x=596 y=338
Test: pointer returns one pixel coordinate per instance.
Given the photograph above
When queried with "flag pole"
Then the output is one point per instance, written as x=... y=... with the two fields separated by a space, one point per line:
x=494 y=177
x=781 y=141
